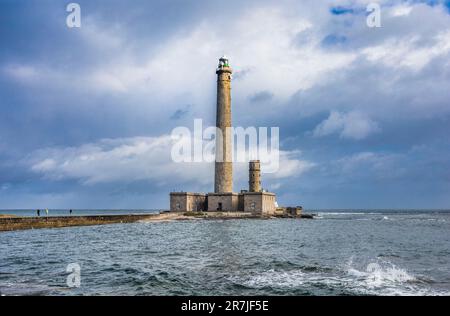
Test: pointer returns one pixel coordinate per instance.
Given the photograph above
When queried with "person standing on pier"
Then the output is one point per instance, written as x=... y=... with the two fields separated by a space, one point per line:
x=38 y=213
x=70 y=212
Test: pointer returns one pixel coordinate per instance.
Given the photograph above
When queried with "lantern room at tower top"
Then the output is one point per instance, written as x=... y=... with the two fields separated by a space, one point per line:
x=223 y=62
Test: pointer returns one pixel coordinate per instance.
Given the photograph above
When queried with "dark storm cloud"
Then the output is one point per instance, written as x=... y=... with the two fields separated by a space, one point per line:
x=180 y=113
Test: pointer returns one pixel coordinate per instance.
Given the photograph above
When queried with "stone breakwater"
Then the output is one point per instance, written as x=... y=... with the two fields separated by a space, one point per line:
x=22 y=223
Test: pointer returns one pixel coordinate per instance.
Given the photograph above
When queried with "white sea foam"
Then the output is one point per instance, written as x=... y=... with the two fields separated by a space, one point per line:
x=377 y=275
x=377 y=278
x=342 y=213
x=278 y=279
x=385 y=278
x=288 y=279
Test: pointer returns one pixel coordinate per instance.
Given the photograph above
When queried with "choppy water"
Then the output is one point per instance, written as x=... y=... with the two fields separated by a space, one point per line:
x=351 y=253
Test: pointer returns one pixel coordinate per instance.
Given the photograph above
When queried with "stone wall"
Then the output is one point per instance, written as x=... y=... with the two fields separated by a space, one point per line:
x=187 y=202
x=230 y=202
x=259 y=203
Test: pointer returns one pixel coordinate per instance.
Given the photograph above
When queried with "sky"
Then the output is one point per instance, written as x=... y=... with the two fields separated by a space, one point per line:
x=86 y=113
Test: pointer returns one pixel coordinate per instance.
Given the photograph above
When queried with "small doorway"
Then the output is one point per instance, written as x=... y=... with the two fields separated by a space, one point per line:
x=220 y=207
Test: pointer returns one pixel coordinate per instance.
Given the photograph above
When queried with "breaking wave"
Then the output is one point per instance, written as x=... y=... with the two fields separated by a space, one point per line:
x=376 y=278
x=384 y=278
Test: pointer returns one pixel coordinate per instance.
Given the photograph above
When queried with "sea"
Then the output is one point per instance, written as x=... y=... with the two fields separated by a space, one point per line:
x=340 y=252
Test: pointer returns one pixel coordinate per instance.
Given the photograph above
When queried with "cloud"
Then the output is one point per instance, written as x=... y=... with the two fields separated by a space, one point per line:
x=401 y=10
x=21 y=72
x=382 y=164
x=353 y=125
x=200 y=45
x=333 y=40
x=291 y=166
x=128 y=160
x=239 y=74
x=408 y=53
x=180 y=113
x=417 y=164
x=116 y=160
x=261 y=96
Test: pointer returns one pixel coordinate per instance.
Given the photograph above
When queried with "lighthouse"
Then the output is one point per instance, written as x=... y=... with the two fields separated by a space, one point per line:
x=223 y=176
x=255 y=200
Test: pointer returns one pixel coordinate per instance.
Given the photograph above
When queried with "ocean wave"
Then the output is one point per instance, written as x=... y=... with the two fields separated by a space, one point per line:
x=385 y=278
x=289 y=282
x=377 y=278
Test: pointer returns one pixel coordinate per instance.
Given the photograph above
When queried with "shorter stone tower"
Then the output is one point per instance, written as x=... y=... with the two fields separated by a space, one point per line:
x=254 y=179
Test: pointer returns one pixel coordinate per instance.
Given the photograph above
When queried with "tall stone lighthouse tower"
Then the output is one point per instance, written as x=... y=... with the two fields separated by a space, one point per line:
x=223 y=181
